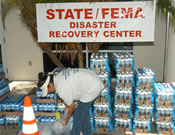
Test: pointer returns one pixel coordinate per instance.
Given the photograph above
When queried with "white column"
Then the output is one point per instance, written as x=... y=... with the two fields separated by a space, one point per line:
x=3 y=47
x=170 y=76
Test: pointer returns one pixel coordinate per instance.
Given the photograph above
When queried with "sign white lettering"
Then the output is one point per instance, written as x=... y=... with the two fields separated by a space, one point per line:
x=96 y=22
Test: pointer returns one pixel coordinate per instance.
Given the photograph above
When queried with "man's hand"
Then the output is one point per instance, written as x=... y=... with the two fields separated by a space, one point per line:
x=70 y=112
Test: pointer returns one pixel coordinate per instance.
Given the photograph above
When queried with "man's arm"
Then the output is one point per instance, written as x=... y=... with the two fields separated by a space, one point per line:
x=70 y=112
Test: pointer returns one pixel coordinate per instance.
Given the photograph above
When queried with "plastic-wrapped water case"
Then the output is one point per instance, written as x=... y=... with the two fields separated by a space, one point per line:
x=144 y=96
x=46 y=119
x=123 y=124
x=1 y=69
x=144 y=112
x=164 y=95
x=12 y=103
x=61 y=109
x=102 y=110
x=173 y=85
x=4 y=88
x=165 y=127
x=47 y=107
x=12 y=120
x=48 y=96
x=105 y=77
x=164 y=113
x=123 y=111
x=99 y=62
x=125 y=79
x=34 y=104
x=145 y=78
x=123 y=95
x=2 y=121
x=123 y=62
x=102 y=124
x=141 y=126
x=104 y=96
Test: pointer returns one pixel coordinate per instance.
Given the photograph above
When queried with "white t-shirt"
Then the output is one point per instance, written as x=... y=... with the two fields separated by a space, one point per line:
x=77 y=84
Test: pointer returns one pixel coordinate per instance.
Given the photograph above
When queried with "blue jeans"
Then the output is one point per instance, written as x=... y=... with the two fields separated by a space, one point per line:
x=82 y=119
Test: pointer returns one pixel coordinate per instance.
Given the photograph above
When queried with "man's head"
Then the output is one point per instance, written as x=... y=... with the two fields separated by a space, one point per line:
x=45 y=83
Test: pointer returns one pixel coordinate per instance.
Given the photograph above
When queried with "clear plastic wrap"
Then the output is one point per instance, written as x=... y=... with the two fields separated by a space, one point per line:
x=144 y=111
x=123 y=62
x=141 y=126
x=104 y=96
x=144 y=97
x=123 y=111
x=165 y=127
x=103 y=124
x=145 y=78
x=123 y=124
x=125 y=79
x=102 y=110
x=123 y=95
x=54 y=128
x=164 y=113
x=164 y=95
x=99 y=62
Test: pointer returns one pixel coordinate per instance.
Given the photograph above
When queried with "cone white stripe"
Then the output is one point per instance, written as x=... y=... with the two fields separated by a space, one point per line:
x=28 y=114
x=29 y=129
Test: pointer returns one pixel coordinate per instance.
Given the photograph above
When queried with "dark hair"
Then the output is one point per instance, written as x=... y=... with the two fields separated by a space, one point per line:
x=42 y=78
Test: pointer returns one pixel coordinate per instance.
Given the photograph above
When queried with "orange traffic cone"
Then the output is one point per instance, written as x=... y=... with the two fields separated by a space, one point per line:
x=29 y=122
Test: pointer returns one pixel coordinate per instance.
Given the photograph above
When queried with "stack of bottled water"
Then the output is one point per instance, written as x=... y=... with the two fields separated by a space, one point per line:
x=164 y=108
x=142 y=126
x=102 y=109
x=145 y=78
x=123 y=63
x=4 y=87
x=13 y=122
x=2 y=122
x=34 y=103
x=99 y=62
x=103 y=124
x=12 y=103
x=46 y=107
x=10 y=108
x=48 y=96
x=123 y=124
x=144 y=100
x=4 y=92
x=61 y=109
x=45 y=119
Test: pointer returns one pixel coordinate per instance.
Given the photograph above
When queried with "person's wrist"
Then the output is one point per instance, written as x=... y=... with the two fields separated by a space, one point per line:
x=65 y=122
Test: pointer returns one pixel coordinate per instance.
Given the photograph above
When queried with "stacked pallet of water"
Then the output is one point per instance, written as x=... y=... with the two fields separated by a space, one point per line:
x=123 y=63
x=102 y=108
x=164 y=108
x=144 y=100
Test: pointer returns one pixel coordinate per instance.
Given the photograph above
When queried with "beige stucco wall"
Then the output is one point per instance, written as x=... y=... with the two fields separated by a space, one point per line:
x=21 y=49
x=151 y=55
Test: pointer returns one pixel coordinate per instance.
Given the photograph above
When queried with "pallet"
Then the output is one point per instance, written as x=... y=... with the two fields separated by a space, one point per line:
x=45 y=100
x=12 y=127
x=45 y=114
x=5 y=96
x=2 y=127
x=10 y=113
